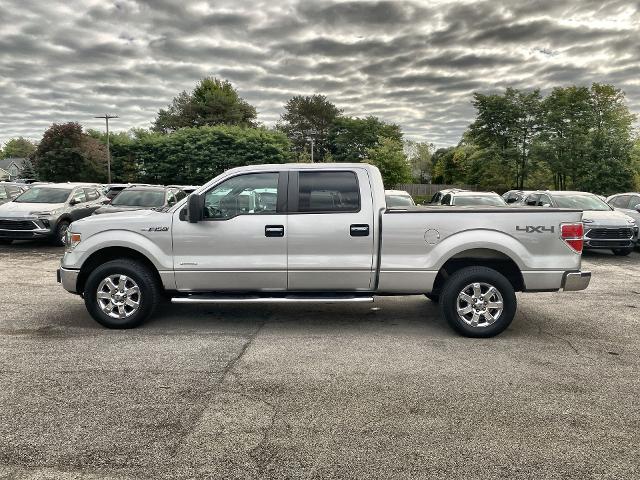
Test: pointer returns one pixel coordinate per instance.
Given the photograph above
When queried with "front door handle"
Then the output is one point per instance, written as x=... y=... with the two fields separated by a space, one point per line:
x=359 y=230
x=274 y=230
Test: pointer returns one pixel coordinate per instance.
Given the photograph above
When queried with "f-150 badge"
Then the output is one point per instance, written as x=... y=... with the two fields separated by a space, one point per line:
x=535 y=229
x=155 y=229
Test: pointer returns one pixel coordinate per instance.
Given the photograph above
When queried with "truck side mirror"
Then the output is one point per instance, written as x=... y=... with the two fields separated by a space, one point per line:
x=194 y=208
x=638 y=208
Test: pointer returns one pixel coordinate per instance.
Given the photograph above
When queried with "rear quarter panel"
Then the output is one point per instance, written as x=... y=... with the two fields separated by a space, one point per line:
x=416 y=243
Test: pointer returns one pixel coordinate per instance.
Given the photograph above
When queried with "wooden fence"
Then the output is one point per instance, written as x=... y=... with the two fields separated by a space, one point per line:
x=428 y=189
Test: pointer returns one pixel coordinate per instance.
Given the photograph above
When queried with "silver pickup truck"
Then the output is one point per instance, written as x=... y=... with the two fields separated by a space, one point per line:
x=320 y=233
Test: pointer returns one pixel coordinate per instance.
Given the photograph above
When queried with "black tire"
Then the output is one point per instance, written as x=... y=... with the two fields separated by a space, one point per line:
x=149 y=292
x=6 y=241
x=622 y=252
x=467 y=277
x=61 y=229
x=433 y=297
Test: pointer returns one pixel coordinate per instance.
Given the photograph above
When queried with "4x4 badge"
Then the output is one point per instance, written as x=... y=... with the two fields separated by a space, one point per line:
x=533 y=229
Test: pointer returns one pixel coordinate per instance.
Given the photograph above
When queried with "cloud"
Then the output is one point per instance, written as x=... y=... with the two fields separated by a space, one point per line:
x=414 y=63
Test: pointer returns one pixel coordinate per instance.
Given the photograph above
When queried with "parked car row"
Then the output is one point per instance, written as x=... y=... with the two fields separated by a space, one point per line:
x=45 y=210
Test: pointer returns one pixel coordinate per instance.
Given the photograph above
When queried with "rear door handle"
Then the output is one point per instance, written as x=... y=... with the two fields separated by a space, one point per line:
x=359 y=230
x=274 y=230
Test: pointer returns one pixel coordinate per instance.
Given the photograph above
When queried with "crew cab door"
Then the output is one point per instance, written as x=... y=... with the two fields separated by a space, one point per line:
x=241 y=244
x=330 y=235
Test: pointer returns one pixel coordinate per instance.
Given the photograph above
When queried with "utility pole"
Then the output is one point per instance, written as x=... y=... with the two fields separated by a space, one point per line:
x=106 y=117
x=311 y=149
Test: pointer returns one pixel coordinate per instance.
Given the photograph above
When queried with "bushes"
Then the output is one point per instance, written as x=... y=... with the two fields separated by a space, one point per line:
x=196 y=155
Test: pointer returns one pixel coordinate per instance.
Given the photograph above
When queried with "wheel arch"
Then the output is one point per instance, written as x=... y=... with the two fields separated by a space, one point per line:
x=480 y=257
x=107 y=254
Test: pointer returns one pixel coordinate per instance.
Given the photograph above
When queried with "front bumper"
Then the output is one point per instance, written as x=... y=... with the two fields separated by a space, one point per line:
x=574 y=281
x=68 y=278
x=27 y=228
x=607 y=237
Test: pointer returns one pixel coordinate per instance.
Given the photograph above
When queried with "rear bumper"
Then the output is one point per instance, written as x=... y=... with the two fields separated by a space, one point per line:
x=68 y=279
x=574 y=281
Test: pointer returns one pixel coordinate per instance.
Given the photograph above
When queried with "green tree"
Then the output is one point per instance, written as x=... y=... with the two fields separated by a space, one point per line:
x=212 y=102
x=308 y=117
x=567 y=118
x=18 y=147
x=420 y=158
x=65 y=154
x=608 y=167
x=350 y=138
x=389 y=157
x=508 y=125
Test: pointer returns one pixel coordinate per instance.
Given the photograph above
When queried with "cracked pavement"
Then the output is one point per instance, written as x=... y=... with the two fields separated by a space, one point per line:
x=320 y=391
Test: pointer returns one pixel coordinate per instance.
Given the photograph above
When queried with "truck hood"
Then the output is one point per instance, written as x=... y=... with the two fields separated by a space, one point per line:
x=118 y=208
x=17 y=209
x=608 y=218
x=134 y=221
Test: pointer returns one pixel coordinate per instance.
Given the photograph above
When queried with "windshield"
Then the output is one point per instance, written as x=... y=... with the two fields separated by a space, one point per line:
x=495 y=201
x=399 y=201
x=139 y=198
x=583 y=201
x=44 y=195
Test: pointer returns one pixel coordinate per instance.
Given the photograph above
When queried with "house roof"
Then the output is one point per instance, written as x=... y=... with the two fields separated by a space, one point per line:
x=6 y=162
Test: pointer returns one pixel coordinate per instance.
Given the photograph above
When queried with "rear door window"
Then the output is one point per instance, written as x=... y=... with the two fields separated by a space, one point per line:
x=621 y=201
x=635 y=200
x=532 y=200
x=92 y=194
x=328 y=192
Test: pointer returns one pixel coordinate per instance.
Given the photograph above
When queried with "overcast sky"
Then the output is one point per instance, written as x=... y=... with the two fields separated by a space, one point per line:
x=412 y=63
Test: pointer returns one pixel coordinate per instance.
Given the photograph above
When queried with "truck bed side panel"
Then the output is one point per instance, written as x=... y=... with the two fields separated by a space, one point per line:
x=417 y=243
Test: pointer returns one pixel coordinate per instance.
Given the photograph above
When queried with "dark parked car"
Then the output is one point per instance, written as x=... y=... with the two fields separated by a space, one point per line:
x=515 y=196
x=46 y=211
x=10 y=190
x=604 y=227
x=114 y=189
x=142 y=197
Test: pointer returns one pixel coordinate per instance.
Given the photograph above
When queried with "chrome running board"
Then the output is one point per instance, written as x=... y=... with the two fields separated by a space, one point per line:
x=202 y=298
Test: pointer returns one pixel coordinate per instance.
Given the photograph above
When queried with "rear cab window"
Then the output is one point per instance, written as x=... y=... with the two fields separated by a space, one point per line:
x=320 y=192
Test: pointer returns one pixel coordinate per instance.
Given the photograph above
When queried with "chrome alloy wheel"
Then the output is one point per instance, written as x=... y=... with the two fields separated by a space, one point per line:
x=479 y=304
x=118 y=296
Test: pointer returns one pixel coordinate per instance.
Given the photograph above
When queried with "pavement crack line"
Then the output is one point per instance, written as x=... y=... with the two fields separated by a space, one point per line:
x=541 y=331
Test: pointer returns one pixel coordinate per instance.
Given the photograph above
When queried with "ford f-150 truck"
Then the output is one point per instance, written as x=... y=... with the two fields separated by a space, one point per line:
x=320 y=233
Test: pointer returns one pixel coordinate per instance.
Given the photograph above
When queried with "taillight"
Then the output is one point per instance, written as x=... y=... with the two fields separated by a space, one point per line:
x=572 y=234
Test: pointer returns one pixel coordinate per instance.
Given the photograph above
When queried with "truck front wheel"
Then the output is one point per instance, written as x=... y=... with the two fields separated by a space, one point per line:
x=121 y=293
x=478 y=302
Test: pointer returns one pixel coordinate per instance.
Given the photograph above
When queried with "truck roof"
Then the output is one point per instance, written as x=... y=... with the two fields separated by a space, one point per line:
x=303 y=166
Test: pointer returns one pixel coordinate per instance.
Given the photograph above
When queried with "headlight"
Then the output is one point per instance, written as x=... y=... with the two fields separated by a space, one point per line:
x=71 y=240
x=631 y=220
x=45 y=213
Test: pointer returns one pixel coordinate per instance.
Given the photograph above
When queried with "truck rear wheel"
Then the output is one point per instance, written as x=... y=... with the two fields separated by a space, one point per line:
x=478 y=302
x=121 y=293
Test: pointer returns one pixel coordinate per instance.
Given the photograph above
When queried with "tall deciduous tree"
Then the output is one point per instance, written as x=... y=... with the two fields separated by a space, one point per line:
x=508 y=124
x=212 y=102
x=65 y=154
x=307 y=117
x=18 y=147
x=350 y=138
x=420 y=158
x=389 y=157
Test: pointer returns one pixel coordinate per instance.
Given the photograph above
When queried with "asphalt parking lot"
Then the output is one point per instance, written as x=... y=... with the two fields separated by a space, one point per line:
x=321 y=391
